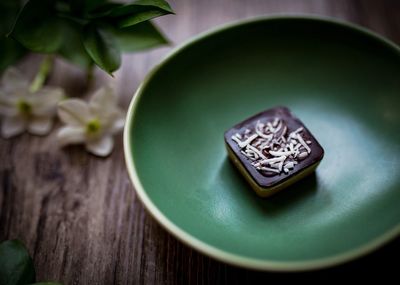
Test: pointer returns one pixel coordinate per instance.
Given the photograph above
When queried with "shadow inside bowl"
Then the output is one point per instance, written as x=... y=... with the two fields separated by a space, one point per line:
x=276 y=204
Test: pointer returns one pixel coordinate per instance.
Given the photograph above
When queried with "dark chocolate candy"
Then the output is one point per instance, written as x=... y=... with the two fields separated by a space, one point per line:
x=274 y=145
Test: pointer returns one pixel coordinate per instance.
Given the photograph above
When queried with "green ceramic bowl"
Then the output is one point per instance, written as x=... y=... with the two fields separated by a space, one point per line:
x=342 y=81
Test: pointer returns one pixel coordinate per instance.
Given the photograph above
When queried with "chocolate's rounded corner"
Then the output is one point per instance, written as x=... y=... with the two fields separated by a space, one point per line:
x=263 y=192
x=284 y=109
x=226 y=135
x=322 y=153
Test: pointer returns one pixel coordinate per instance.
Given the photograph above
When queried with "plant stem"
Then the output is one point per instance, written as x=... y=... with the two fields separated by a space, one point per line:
x=43 y=73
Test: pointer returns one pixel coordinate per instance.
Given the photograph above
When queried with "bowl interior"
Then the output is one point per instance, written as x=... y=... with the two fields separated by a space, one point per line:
x=344 y=84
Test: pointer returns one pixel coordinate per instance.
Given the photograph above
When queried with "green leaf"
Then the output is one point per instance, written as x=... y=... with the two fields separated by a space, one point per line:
x=140 y=11
x=139 y=37
x=77 y=6
x=16 y=265
x=72 y=47
x=10 y=51
x=37 y=27
x=81 y=7
x=102 y=47
x=92 y=4
x=103 y=10
x=8 y=12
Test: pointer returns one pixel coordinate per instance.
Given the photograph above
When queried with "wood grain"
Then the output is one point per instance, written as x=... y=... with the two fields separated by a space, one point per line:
x=79 y=215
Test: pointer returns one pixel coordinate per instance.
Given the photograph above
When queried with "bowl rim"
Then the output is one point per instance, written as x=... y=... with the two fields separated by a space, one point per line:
x=203 y=247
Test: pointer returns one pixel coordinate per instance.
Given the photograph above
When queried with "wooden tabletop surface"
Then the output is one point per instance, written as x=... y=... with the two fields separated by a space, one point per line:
x=79 y=215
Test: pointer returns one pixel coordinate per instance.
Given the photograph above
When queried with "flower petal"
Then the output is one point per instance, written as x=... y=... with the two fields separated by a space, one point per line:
x=12 y=126
x=13 y=80
x=103 y=100
x=101 y=147
x=74 y=112
x=103 y=105
x=118 y=124
x=7 y=106
x=40 y=125
x=70 y=135
x=44 y=102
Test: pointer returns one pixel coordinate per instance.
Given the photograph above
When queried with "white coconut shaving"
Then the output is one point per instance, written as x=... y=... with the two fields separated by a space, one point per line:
x=270 y=147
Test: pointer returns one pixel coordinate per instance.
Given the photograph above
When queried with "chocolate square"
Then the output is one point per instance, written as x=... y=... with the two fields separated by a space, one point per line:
x=273 y=147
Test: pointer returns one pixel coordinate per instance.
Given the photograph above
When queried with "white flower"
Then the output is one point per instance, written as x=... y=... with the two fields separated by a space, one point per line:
x=23 y=110
x=93 y=123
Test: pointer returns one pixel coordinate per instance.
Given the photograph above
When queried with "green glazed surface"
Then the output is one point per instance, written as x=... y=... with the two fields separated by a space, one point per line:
x=343 y=82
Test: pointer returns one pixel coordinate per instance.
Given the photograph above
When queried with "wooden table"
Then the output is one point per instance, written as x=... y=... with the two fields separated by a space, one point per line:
x=79 y=215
